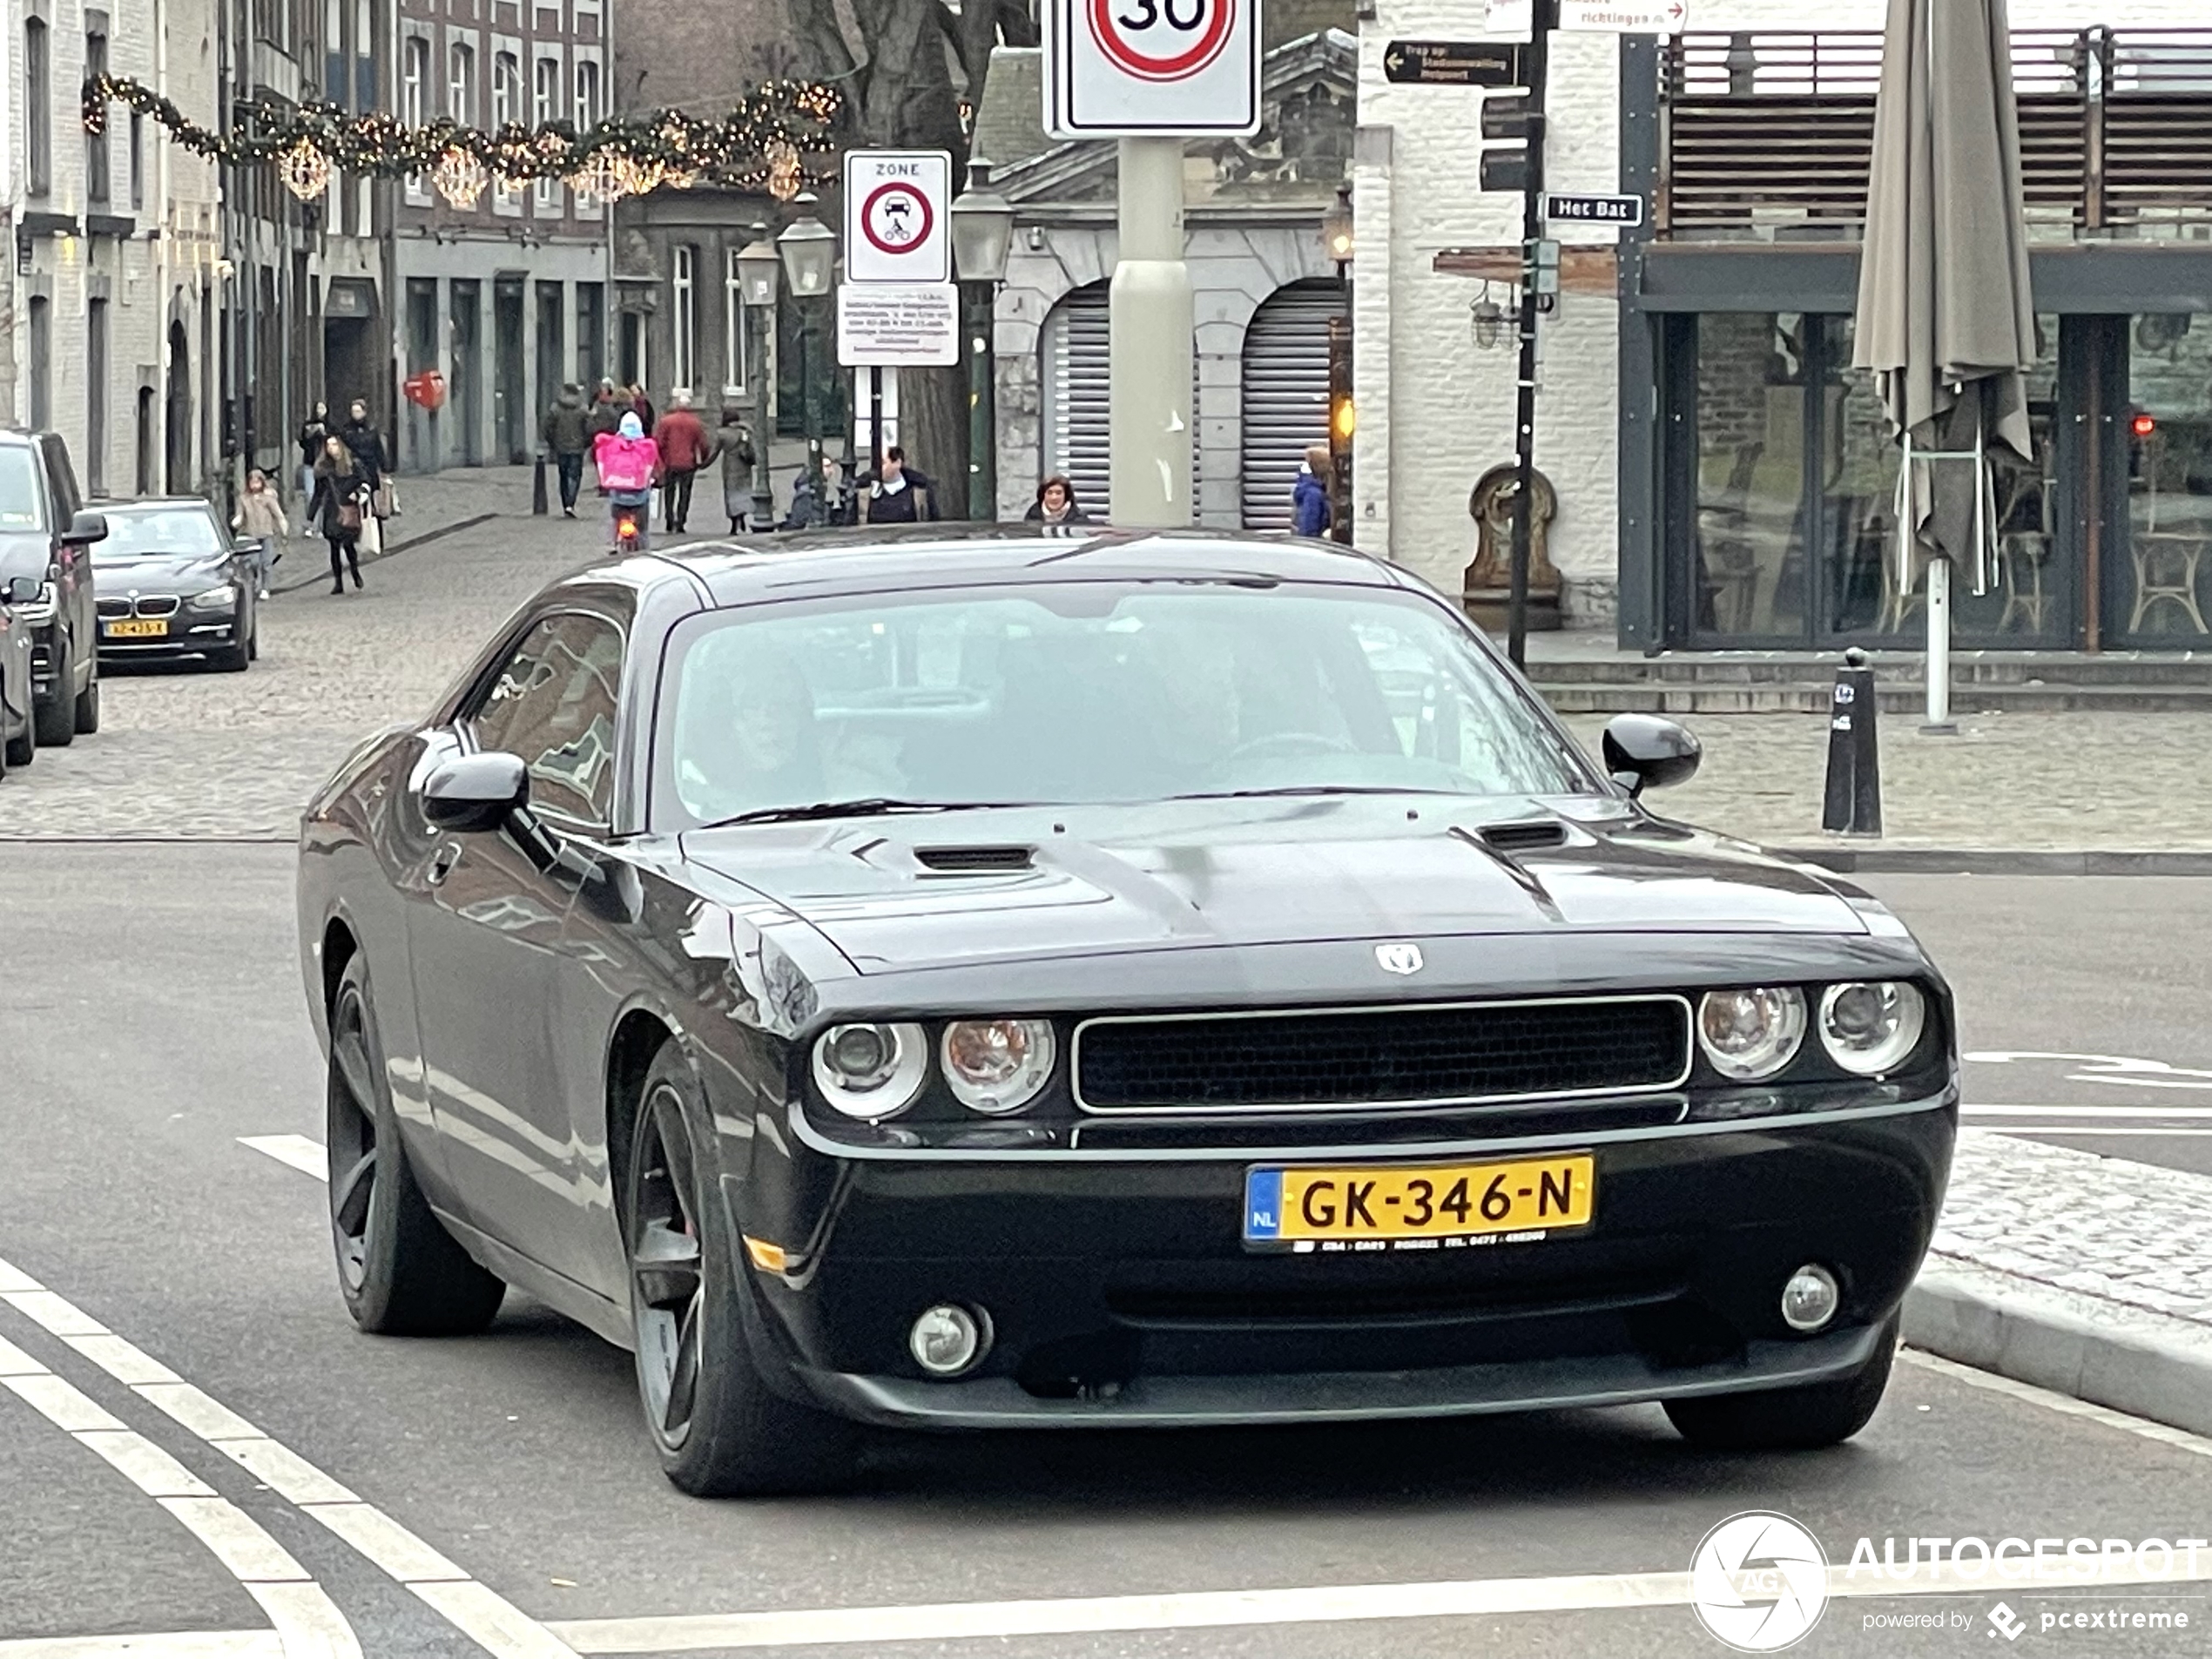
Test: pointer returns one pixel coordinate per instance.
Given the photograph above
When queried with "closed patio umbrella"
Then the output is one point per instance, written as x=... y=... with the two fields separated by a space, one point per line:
x=1945 y=319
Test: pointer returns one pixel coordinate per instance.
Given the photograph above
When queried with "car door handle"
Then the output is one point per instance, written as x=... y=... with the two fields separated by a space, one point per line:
x=441 y=866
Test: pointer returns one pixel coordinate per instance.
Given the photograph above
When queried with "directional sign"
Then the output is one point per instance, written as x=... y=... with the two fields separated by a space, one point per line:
x=1151 y=68
x=1452 y=63
x=885 y=325
x=1595 y=210
x=1625 y=17
x=895 y=229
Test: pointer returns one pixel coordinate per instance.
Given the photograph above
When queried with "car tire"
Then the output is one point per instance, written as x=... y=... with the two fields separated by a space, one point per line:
x=231 y=660
x=21 y=749
x=720 y=1431
x=1789 y=1420
x=86 y=715
x=56 y=722
x=401 y=1271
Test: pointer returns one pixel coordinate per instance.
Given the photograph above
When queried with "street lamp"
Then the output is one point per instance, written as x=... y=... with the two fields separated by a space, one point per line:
x=808 y=250
x=982 y=232
x=1338 y=241
x=760 y=271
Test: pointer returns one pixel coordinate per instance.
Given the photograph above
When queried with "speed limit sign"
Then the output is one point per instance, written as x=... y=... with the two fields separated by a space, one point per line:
x=1151 y=68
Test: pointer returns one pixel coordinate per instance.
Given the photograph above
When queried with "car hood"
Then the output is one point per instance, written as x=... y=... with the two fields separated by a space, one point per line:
x=179 y=573
x=24 y=553
x=1254 y=873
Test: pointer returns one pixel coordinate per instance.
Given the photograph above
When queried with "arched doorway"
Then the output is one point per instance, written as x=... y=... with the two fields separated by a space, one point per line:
x=180 y=414
x=1286 y=394
x=1075 y=375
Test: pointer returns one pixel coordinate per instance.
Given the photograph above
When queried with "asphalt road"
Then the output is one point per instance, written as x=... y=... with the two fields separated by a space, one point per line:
x=506 y=1501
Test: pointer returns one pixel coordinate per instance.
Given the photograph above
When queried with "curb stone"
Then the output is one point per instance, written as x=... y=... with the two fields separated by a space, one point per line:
x=442 y=530
x=2128 y=1358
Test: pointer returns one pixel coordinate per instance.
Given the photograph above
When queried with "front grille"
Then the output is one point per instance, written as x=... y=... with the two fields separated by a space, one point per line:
x=161 y=604
x=112 y=608
x=1400 y=1057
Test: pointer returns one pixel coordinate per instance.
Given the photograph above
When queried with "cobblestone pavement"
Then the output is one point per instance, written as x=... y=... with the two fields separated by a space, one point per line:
x=2127 y=1232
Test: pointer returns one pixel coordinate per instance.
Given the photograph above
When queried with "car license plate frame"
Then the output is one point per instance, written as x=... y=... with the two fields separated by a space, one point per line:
x=136 y=628
x=1331 y=1209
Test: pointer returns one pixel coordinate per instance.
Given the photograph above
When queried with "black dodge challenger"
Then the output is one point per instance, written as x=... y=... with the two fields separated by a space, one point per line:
x=950 y=979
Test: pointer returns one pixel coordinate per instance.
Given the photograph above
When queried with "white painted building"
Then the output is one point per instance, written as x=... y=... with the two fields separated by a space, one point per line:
x=1722 y=472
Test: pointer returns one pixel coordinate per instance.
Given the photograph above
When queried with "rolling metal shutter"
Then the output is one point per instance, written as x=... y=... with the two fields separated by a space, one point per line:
x=1286 y=395
x=1077 y=423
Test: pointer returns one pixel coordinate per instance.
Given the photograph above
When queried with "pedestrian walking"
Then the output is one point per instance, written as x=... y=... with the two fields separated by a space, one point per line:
x=733 y=443
x=313 y=431
x=567 y=434
x=605 y=418
x=817 y=502
x=900 y=494
x=260 y=519
x=1055 y=503
x=364 y=443
x=340 y=505
x=685 y=448
x=1310 y=513
x=641 y=405
x=627 y=461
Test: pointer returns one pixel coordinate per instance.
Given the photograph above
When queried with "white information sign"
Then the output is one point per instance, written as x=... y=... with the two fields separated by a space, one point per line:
x=1516 y=17
x=895 y=228
x=1625 y=17
x=1138 y=68
x=883 y=325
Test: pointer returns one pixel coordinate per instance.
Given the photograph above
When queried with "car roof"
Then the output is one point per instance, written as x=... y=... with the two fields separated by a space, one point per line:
x=144 y=503
x=745 y=569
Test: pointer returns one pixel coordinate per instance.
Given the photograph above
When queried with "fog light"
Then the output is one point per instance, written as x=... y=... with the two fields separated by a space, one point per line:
x=947 y=1340
x=1809 y=1300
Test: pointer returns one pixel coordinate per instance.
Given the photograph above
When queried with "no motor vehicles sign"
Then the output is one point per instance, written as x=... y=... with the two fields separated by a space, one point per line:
x=894 y=215
x=1151 y=68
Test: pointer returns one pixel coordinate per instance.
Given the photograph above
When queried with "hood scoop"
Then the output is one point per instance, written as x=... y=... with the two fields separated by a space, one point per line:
x=1522 y=835
x=976 y=860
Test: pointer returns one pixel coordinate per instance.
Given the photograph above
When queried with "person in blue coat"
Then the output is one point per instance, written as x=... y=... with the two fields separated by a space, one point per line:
x=1309 y=495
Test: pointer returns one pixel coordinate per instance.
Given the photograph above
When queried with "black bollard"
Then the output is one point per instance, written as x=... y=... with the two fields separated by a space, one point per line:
x=538 y=507
x=1853 y=804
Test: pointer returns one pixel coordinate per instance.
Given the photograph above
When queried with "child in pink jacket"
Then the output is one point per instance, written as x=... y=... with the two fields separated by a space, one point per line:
x=628 y=463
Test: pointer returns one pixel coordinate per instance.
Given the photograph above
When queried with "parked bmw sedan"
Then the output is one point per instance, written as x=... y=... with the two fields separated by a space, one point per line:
x=1000 y=982
x=169 y=582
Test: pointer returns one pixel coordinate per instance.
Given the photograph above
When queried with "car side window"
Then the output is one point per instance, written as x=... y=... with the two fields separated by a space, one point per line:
x=67 y=501
x=553 y=703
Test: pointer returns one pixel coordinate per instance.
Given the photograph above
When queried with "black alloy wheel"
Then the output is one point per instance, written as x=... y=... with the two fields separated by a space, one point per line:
x=56 y=720
x=401 y=1271
x=1802 y=1418
x=720 y=1431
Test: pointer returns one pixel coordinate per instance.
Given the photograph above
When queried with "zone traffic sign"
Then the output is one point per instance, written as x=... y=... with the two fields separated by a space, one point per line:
x=1135 y=69
x=894 y=215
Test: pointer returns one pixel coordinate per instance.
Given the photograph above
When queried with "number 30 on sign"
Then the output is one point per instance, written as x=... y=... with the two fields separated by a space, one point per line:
x=1151 y=68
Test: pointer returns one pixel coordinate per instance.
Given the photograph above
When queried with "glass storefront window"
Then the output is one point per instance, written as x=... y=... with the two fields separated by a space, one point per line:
x=2168 y=432
x=1750 y=539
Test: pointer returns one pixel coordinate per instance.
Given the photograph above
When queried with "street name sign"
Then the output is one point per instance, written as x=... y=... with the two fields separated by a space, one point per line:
x=895 y=224
x=1146 y=68
x=1595 y=210
x=908 y=325
x=1625 y=17
x=1454 y=63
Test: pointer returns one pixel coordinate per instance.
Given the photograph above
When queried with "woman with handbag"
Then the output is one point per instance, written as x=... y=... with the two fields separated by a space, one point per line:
x=342 y=496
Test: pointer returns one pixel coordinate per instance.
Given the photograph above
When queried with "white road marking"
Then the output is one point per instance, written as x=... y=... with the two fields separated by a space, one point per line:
x=173 y=1644
x=297 y=1151
x=2102 y=1068
x=283 y=1588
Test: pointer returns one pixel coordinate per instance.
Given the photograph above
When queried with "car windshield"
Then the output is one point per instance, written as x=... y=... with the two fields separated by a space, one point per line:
x=186 y=531
x=18 y=489
x=1086 y=692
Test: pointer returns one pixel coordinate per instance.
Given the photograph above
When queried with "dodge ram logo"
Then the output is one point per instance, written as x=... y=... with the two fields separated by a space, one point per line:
x=1399 y=959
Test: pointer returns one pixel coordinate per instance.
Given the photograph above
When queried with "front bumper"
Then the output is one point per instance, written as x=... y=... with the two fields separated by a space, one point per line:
x=188 y=636
x=1120 y=1293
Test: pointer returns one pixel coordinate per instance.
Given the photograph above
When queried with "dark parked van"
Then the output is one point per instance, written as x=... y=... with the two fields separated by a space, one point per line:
x=46 y=536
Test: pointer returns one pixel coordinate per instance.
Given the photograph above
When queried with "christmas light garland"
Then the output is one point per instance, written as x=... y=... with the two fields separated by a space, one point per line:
x=762 y=144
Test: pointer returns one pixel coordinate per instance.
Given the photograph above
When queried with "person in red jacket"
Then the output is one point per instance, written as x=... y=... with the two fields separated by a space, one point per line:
x=685 y=448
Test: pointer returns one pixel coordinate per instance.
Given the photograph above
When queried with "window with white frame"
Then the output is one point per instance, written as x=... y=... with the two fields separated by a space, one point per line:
x=506 y=106
x=587 y=117
x=365 y=100
x=545 y=108
x=733 y=329
x=414 y=88
x=686 y=312
x=461 y=84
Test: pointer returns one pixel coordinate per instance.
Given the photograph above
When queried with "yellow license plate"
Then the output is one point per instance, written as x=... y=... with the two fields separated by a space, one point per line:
x=144 y=628
x=1416 y=1207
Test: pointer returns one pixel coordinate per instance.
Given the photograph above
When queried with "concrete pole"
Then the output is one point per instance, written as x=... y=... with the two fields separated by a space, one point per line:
x=1151 y=319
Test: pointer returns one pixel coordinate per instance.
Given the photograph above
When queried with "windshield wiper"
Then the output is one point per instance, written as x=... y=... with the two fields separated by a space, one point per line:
x=865 y=806
x=1304 y=789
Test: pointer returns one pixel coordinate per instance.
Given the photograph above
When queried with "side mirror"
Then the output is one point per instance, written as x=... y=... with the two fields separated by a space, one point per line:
x=85 y=529
x=20 y=591
x=476 y=792
x=1645 y=751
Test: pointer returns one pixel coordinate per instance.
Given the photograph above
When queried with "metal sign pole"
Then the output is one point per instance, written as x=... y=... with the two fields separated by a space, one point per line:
x=1532 y=233
x=1150 y=343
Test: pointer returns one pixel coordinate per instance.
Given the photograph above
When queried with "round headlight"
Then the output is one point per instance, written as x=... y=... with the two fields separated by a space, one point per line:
x=1751 y=1033
x=1871 y=1026
x=997 y=1065
x=871 y=1071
